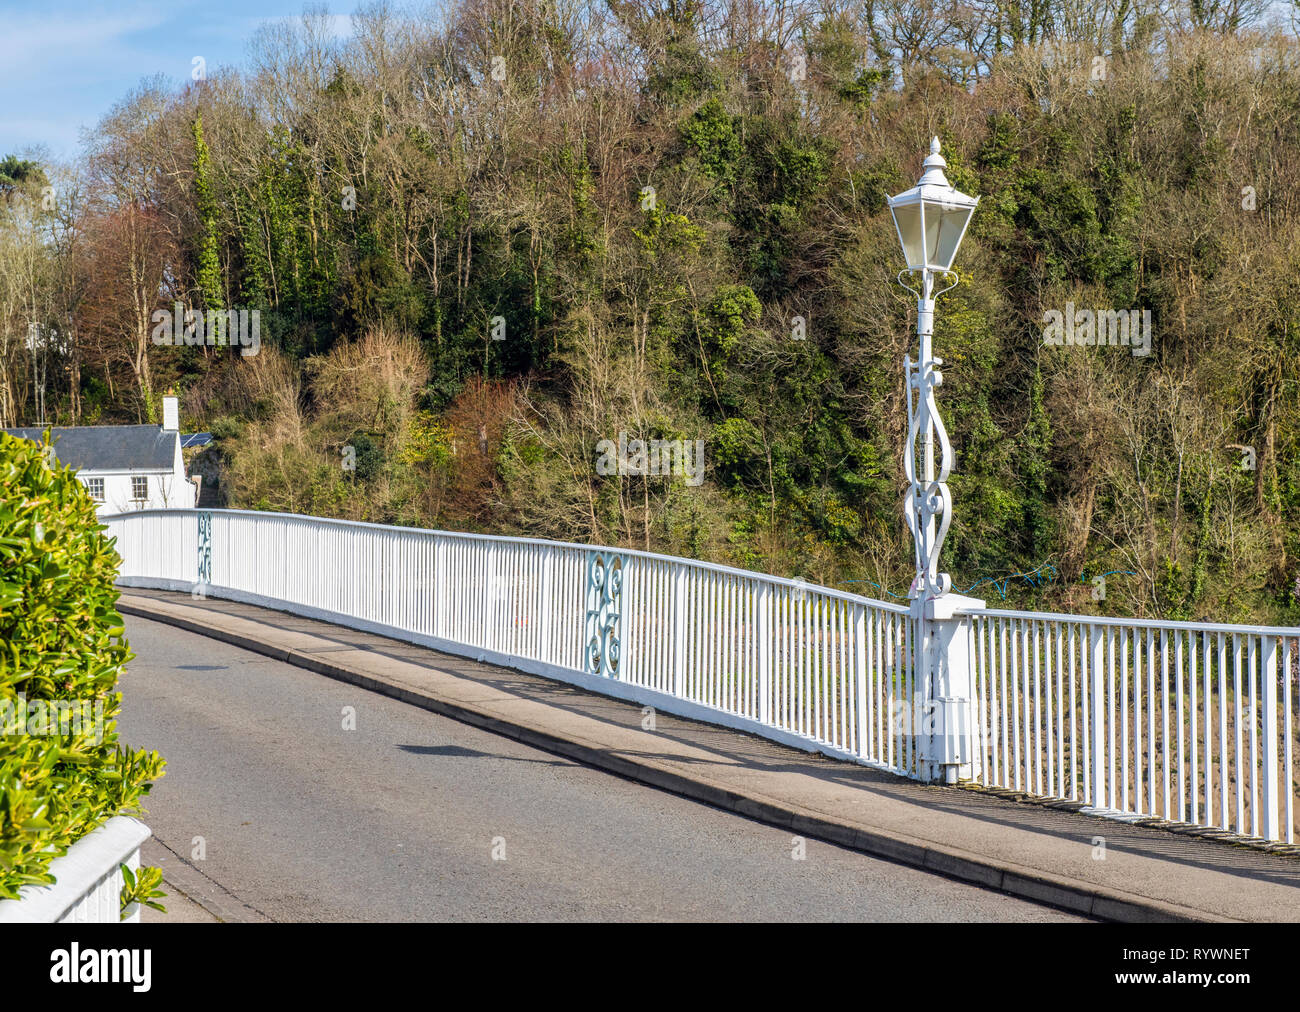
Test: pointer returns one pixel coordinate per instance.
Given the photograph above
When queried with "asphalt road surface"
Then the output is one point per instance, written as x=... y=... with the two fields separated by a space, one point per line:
x=415 y=817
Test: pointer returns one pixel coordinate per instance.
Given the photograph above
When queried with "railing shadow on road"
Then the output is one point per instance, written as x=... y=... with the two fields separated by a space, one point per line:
x=460 y=752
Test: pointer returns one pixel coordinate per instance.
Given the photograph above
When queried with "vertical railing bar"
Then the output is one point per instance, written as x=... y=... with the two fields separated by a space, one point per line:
x=1236 y=692
x=887 y=688
x=1052 y=744
x=814 y=667
x=726 y=636
x=1074 y=720
x=701 y=631
x=986 y=769
x=1036 y=626
x=907 y=730
x=716 y=690
x=713 y=616
x=1194 y=758
x=826 y=652
x=1208 y=724
x=1221 y=660
x=658 y=617
x=811 y=636
x=984 y=773
x=1097 y=689
x=1057 y=636
x=747 y=684
x=764 y=661
x=805 y=725
x=1151 y=722
x=1178 y=675
x=1015 y=699
x=787 y=617
x=988 y=646
x=1009 y=730
x=825 y=674
x=689 y=632
x=989 y=742
x=736 y=667
x=1253 y=672
x=908 y=644
x=1089 y=716
x=817 y=660
x=655 y=614
x=707 y=625
x=846 y=679
x=1123 y=719
x=1268 y=686
x=1164 y=721
x=861 y=711
x=980 y=770
x=778 y=713
x=1108 y=654
x=1288 y=660
x=1028 y=674
x=898 y=692
x=880 y=678
x=757 y=654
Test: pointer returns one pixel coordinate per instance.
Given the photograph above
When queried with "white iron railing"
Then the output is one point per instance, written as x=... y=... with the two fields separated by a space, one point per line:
x=1194 y=723
x=1189 y=722
x=802 y=664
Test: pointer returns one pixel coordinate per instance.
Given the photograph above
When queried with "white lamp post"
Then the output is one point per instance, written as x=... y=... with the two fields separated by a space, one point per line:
x=931 y=219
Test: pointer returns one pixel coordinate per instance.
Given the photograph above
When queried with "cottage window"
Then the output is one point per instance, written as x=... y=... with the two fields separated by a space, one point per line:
x=95 y=486
x=140 y=487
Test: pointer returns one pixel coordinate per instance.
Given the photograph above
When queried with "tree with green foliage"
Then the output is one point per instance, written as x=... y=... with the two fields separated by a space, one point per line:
x=208 y=271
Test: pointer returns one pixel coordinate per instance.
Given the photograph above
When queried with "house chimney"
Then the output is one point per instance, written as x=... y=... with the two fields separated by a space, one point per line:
x=171 y=414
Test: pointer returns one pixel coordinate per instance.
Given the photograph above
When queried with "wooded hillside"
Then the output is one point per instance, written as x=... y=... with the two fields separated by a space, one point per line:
x=483 y=239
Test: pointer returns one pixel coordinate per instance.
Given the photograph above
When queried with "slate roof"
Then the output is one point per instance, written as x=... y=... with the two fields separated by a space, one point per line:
x=195 y=439
x=110 y=447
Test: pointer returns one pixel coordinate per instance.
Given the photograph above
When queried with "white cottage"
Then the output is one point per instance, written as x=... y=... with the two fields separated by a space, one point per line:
x=126 y=467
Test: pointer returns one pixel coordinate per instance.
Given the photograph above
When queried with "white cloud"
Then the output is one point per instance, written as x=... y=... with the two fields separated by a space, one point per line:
x=64 y=66
x=33 y=45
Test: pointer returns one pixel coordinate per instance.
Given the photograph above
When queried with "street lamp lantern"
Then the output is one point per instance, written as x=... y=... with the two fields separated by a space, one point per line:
x=931 y=219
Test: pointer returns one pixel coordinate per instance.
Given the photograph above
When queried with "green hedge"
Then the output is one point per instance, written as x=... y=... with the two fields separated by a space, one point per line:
x=62 y=769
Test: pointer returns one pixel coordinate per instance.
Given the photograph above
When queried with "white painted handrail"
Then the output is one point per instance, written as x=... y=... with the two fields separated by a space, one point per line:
x=1132 y=623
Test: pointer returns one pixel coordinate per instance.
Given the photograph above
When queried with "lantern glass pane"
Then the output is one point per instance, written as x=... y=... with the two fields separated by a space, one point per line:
x=908 y=219
x=944 y=227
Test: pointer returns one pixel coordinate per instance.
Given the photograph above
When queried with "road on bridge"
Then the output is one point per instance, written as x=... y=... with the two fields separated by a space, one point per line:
x=272 y=809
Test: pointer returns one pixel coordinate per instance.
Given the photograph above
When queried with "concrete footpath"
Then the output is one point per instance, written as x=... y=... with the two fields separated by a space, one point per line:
x=1132 y=873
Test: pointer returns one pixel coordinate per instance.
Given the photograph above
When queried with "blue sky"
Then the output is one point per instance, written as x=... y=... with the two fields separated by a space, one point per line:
x=64 y=63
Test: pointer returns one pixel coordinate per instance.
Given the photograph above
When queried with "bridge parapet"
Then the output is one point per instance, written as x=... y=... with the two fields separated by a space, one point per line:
x=1187 y=722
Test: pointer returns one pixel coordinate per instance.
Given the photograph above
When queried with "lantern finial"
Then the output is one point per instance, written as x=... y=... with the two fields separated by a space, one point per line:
x=933 y=167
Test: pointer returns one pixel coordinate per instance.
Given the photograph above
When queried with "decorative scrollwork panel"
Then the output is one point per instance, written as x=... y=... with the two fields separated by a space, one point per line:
x=205 y=547
x=604 y=621
x=929 y=503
